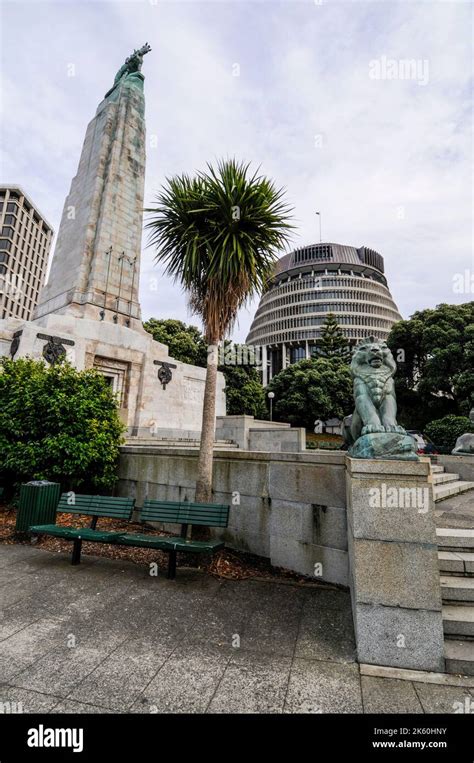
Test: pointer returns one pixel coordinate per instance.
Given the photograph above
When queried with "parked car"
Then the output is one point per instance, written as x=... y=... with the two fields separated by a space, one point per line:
x=424 y=446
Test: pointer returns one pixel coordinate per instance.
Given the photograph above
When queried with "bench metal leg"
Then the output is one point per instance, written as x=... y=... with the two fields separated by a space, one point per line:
x=172 y=565
x=76 y=551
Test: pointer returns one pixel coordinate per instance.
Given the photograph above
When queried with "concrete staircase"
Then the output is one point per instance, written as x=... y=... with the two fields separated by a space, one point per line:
x=446 y=484
x=456 y=565
x=178 y=442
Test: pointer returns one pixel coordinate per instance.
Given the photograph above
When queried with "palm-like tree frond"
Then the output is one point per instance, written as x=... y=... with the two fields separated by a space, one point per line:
x=219 y=234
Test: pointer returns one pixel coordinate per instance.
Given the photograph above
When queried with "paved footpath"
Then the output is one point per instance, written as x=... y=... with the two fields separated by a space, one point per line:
x=106 y=637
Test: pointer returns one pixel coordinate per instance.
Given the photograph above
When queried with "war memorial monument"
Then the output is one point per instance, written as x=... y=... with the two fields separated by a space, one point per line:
x=89 y=311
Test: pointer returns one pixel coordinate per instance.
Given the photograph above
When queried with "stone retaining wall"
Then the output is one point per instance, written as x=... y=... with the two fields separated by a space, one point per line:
x=289 y=507
x=462 y=465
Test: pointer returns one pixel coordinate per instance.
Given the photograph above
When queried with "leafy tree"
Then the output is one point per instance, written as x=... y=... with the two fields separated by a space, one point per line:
x=218 y=235
x=185 y=343
x=312 y=389
x=57 y=423
x=434 y=351
x=244 y=391
x=444 y=432
x=332 y=342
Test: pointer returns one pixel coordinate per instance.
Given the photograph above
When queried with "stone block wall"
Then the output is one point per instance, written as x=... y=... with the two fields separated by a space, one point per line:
x=255 y=434
x=462 y=465
x=284 y=506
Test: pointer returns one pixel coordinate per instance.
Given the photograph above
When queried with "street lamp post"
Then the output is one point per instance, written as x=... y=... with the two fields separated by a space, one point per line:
x=270 y=396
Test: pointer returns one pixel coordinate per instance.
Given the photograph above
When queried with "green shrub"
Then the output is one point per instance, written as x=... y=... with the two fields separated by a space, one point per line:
x=57 y=423
x=444 y=432
x=312 y=389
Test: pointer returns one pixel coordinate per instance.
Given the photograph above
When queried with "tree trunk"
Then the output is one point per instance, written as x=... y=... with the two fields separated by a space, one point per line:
x=206 y=451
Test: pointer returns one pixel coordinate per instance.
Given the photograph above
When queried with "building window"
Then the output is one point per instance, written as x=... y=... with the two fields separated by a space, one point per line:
x=7 y=232
x=296 y=354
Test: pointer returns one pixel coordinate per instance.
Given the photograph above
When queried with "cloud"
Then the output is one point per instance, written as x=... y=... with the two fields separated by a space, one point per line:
x=387 y=162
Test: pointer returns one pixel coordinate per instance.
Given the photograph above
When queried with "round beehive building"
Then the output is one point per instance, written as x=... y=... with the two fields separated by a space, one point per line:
x=311 y=282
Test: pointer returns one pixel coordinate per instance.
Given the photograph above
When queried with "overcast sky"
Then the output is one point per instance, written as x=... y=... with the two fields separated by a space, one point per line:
x=387 y=161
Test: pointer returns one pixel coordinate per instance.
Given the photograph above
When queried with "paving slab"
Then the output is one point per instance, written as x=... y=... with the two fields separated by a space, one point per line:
x=27 y=646
x=270 y=633
x=213 y=622
x=186 y=682
x=16 y=552
x=18 y=589
x=12 y=623
x=444 y=699
x=60 y=670
x=15 y=700
x=382 y=695
x=252 y=683
x=69 y=706
x=327 y=598
x=326 y=634
x=120 y=679
x=323 y=687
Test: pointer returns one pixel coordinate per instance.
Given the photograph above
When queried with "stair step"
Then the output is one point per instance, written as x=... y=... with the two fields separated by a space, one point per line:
x=177 y=443
x=459 y=657
x=454 y=538
x=461 y=562
x=458 y=620
x=440 y=492
x=457 y=588
x=437 y=469
x=441 y=479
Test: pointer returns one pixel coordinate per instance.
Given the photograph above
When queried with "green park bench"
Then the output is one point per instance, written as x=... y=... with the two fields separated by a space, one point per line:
x=182 y=513
x=94 y=506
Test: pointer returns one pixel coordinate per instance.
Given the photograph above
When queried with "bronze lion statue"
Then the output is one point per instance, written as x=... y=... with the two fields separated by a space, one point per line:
x=373 y=369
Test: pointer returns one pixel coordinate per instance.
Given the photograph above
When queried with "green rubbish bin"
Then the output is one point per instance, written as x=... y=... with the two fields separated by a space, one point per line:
x=38 y=503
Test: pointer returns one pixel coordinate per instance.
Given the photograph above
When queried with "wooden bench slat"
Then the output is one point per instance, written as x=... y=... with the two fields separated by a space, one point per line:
x=185 y=512
x=73 y=533
x=117 y=507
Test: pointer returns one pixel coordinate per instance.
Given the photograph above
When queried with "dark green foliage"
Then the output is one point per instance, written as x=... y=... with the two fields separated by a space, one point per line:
x=434 y=351
x=57 y=423
x=244 y=391
x=185 y=343
x=312 y=389
x=444 y=432
x=333 y=343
